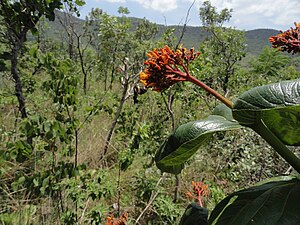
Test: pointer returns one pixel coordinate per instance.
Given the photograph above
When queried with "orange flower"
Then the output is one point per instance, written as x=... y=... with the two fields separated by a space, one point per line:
x=200 y=190
x=165 y=67
x=122 y=220
x=287 y=41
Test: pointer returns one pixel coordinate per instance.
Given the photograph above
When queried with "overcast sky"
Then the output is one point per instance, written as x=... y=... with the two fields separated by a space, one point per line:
x=247 y=14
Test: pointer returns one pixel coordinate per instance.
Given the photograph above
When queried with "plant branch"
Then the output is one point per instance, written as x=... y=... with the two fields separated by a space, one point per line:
x=83 y=212
x=210 y=90
x=185 y=23
x=117 y=115
x=277 y=144
x=176 y=191
x=186 y=76
x=153 y=197
x=169 y=107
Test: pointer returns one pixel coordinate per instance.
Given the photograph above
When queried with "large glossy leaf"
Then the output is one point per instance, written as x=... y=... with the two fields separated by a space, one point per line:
x=273 y=203
x=194 y=215
x=187 y=139
x=277 y=105
x=224 y=111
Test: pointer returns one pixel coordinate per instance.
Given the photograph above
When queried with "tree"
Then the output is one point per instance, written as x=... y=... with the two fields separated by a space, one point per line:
x=127 y=57
x=93 y=22
x=224 y=47
x=269 y=62
x=20 y=17
x=68 y=21
x=111 y=36
x=78 y=38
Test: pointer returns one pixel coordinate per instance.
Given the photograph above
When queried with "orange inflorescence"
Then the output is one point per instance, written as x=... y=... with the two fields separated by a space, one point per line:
x=200 y=190
x=287 y=41
x=122 y=220
x=166 y=67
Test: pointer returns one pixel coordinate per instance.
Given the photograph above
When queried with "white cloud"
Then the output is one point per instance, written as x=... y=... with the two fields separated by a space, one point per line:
x=247 y=14
x=159 y=5
x=114 y=1
x=281 y=13
x=262 y=13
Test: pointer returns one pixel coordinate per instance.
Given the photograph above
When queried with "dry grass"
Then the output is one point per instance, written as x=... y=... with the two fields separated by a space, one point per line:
x=91 y=140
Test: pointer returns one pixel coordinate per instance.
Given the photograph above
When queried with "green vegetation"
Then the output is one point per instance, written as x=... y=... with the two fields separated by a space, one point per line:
x=194 y=35
x=82 y=141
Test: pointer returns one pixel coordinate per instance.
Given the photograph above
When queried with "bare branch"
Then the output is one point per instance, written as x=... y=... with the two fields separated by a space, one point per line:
x=185 y=23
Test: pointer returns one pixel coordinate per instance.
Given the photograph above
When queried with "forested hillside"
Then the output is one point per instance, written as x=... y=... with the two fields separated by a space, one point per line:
x=255 y=39
x=118 y=121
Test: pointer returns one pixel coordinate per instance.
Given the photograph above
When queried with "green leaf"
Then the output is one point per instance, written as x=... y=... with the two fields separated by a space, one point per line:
x=5 y=55
x=194 y=214
x=34 y=31
x=80 y=2
x=277 y=105
x=276 y=179
x=187 y=139
x=273 y=203
x=33 y=52
x=35 y=182
x=224 y=111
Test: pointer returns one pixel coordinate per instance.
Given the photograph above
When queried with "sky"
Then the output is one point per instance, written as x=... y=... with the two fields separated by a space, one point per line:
x=246 y=15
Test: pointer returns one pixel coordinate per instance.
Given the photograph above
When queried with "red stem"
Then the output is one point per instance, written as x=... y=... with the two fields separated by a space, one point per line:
x=200 y=201
x=186 y=75
x=210 y=90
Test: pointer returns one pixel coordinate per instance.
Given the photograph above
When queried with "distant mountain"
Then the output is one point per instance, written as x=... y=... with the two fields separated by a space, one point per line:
x=256 y=39
x=193 y=36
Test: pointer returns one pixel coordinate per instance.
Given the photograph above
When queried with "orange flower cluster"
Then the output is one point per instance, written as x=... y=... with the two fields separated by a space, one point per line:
x=166 y=67
x=111 y=220
x=287 y=41
x=200 y=190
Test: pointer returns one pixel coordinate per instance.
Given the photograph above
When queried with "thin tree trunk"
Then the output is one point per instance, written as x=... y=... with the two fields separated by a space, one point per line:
x=105 y=80
x=114 y=123
x=18 y=84
x=17 y=79
x=70 y=47
x=80 y=53
x=113 y=63
x=176 y=191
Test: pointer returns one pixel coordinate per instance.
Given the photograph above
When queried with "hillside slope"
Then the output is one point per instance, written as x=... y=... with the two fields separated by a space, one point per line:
x=256 y=39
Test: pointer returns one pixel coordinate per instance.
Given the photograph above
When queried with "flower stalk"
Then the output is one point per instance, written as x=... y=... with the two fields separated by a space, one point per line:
x=211 y=91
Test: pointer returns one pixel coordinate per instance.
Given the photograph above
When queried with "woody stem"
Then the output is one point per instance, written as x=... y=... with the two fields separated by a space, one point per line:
x=188 y=77
x=210 y=90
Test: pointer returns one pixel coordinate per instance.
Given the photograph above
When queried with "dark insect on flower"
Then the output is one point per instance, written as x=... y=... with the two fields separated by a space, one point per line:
x=138 y=90
x=287 y=41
